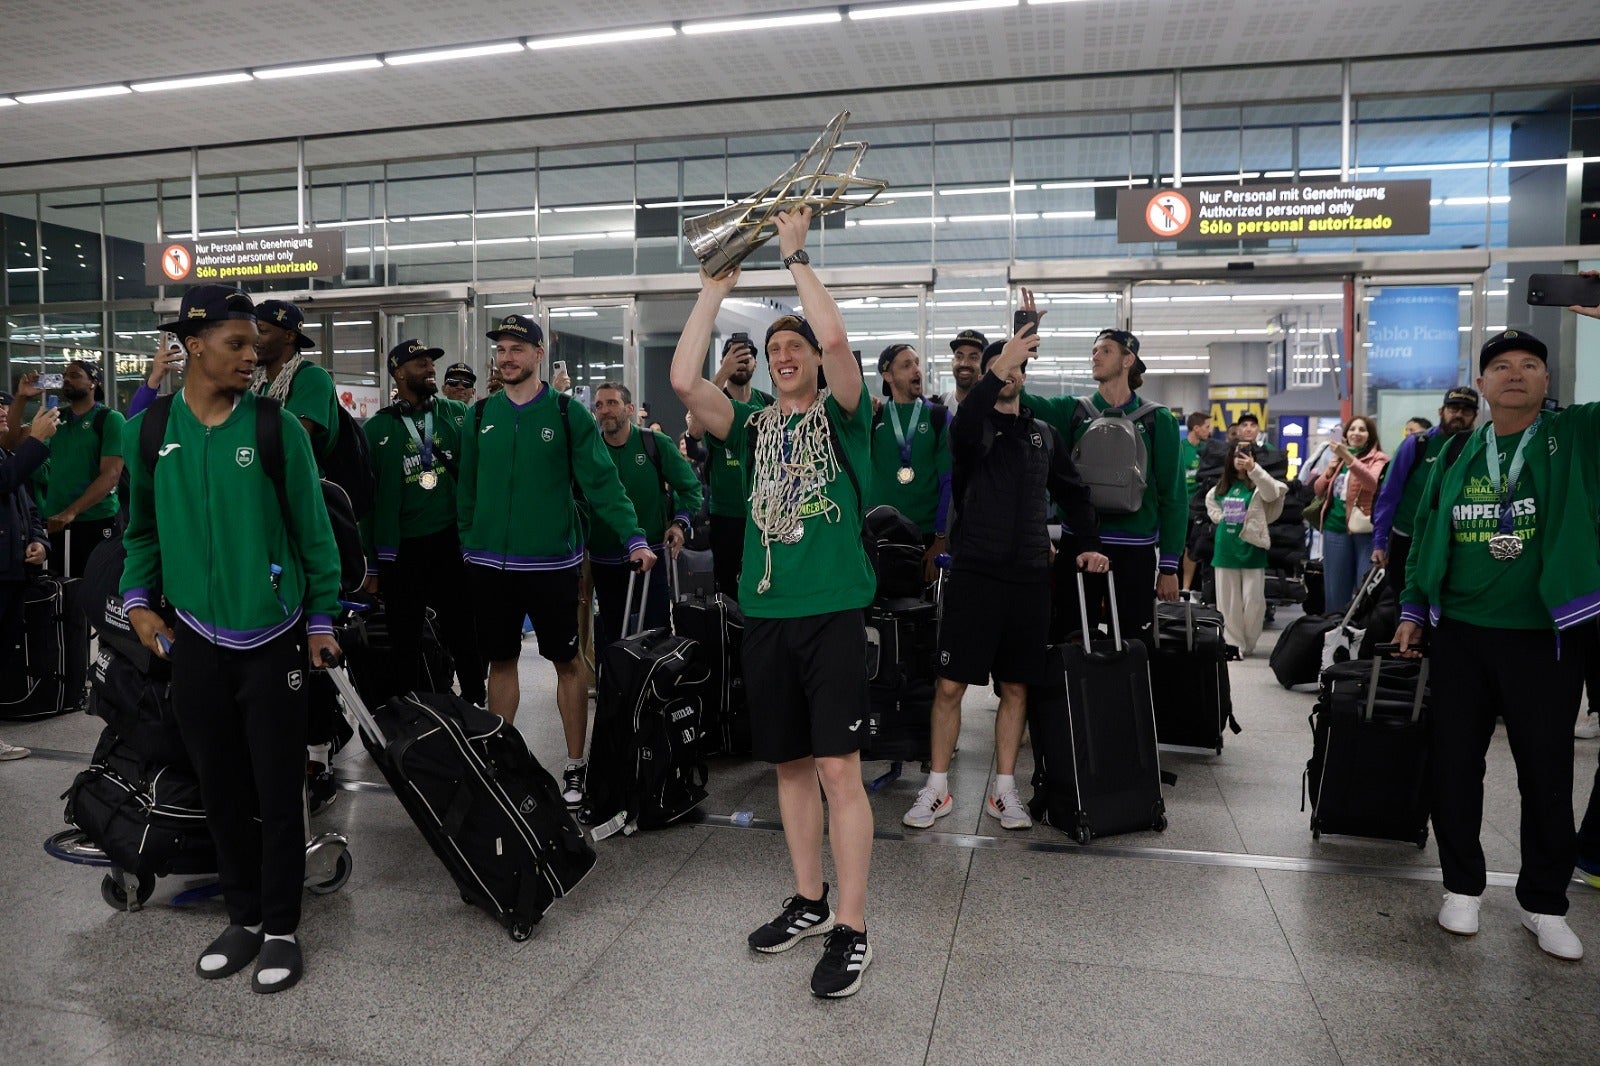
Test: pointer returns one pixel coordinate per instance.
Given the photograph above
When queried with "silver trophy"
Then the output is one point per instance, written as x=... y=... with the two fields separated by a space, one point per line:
x=721 y=239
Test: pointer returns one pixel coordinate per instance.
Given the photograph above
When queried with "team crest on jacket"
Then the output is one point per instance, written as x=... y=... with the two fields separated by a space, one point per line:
x=547 y=433
x=244 y=456
x=1037 y=440
x=295 y=679
x=638 y=460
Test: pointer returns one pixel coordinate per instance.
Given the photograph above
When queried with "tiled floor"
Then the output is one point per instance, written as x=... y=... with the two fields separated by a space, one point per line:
x=986 y=949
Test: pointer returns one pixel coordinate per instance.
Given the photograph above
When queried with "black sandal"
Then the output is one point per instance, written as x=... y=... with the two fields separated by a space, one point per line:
x=278 y=955
x=238 y=944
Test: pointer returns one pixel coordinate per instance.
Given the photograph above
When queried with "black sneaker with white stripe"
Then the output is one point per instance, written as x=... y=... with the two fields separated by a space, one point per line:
x=572 y=783
x=801 y=918
x=845 y=957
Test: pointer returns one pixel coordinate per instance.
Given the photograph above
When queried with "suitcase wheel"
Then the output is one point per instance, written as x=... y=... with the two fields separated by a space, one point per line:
x=1161 y=823
x=341 y=874
x=1083 y=834
x=1316 y=830
x=520 y=931
x=116 y=896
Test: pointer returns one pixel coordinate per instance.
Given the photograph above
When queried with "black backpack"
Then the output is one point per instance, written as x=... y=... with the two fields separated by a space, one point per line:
x=348 y=464
x=269 y=445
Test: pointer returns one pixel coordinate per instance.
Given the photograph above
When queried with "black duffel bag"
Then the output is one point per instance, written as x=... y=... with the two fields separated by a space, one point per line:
x=147 y=817
x=137 y=707
x=899 y=554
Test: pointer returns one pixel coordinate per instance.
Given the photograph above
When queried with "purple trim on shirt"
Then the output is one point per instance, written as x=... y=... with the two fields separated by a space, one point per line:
x=685 y=517
x=1579 y=610
x=501 y=561
x=240 y=639
x=320 y=624
x=143 y=397
x=1413 y=613
x=1167 y=564
x=1137 y=540
x=635 y=543
x=135 y=597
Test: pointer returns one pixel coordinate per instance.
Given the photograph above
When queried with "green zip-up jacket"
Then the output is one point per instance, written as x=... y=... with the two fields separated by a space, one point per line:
x=402 y=507
x=1163 y=519
x=221 y=530
x=1563 y=468
x=657 y=507
x=516 y=503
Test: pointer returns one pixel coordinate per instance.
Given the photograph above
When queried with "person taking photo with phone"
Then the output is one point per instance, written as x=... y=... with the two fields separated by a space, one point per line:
x=1242 y=504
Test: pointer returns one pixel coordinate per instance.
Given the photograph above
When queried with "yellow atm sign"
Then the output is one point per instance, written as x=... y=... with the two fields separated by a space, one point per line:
x=1230 y=402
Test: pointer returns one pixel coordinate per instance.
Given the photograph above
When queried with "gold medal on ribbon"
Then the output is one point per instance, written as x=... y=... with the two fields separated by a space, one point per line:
x=906 y=475
x=428 y=480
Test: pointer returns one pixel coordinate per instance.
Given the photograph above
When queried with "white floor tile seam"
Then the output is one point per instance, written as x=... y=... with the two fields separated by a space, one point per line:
x=949 y=953
x=1311 y=990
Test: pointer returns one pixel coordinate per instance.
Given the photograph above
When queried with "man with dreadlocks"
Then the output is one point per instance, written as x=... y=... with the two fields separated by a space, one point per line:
x=805 y=583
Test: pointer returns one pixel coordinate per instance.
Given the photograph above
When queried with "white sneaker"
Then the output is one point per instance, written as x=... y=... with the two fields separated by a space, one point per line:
x=1588 y=726
x=929 y=807
x=13 y=751
x=1459 y=915
x=1556 y=937
x=1008 y=807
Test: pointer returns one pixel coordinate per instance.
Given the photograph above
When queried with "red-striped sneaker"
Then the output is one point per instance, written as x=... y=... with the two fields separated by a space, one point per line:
x=1009 y=808
x=929 y=807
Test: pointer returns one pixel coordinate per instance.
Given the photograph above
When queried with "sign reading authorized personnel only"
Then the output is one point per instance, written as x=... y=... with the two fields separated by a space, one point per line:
x=1223 y=213
x=263 y=257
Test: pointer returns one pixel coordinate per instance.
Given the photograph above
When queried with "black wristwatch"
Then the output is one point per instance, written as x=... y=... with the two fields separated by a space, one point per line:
x=799 y=257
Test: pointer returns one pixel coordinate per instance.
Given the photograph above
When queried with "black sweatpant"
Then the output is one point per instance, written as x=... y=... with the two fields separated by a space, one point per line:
x=1532 y=678
x=86 y=537
x=428 y=572
x=243 y=719
x=1134 y=566
x=727 y=552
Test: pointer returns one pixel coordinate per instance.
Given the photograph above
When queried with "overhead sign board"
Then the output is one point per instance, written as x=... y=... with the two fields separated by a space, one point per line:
x=1230 y=213
x=260 y=257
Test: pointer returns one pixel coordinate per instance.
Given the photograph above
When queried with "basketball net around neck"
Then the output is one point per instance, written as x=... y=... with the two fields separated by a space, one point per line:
x=793 y=467
x=280 y=385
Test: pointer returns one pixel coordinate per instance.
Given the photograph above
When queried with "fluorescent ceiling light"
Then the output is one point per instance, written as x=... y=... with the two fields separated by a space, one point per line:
x=762 y=22
x=980 y=190
x=1243 y=174
x=520 y=212
x=1067 y=214
x=577 y=208
x=356 y=222
x=465 y=52
x=26 y=270
x=446 y=217
x=1508 y=164
x=721 y=202
x=504 y=240
x=1110 y=183
x=923 y=220
x=74 y=94
x=931 y=7
x=1468 y=201
x=6 y=101
x=988 y=218
x=1407 y=168
x=1041 y=3
x=648 y=33
x=197 y=82
x=337 y=66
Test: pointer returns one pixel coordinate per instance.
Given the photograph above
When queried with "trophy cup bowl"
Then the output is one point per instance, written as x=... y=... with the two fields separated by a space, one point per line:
x=721 y=239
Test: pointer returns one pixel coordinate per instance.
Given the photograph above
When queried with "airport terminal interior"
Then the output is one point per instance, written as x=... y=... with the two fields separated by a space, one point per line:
x=403 y=170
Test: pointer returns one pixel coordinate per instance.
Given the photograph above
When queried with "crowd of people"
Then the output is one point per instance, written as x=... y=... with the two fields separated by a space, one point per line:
x=510 y=510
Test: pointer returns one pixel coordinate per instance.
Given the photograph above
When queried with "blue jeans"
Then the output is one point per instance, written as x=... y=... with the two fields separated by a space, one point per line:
x=1346 y=558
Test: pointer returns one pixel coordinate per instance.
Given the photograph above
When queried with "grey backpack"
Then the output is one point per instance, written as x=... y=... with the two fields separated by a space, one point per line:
x=1111 y=456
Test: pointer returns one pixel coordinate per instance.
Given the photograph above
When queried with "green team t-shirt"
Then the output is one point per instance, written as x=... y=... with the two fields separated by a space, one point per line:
x=312 y=398
x=827 y=570
x=1232 y=551
x=75 y=454
x=725 y=467
x=655 y=506
x=1478 y=588
x=1189 y=460
x=1333 y=520
x=422 y=512
x=930 y=458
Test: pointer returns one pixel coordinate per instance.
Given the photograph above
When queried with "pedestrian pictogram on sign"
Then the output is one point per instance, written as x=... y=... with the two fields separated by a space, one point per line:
x=1168 y=213
x=176 y=261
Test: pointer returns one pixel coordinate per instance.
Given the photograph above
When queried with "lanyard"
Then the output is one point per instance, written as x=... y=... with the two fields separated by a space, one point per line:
x=423 y=441
x=893 y=414
x=1491 y=453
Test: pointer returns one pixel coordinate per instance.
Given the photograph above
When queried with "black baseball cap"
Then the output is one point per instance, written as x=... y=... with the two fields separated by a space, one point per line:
x=90 y=368
x=1248 y=416
x=522 y=327
x=795 y=324
x=1461 y=396
x=991 y=353
x=1512 y=340
x=6 y=399
x=285 y=315
x=1128 y=341
x=969 y=337
x=459 y=372
x=203 y=304
x=406 y=351
x=887 y=356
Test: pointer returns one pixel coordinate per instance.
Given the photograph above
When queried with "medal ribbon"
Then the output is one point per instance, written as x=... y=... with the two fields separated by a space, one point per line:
x=1491 y=453
x=893 y=414
x=424 y=440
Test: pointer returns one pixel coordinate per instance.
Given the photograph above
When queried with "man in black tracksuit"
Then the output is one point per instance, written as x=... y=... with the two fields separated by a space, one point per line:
x=997 y=607
x=24 y=541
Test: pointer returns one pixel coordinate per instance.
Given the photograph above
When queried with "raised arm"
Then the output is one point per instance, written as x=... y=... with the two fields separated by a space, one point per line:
x=838 y=361
x=710 y=406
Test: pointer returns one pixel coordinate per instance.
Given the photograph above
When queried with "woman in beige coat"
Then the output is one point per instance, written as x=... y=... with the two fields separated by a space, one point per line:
x=1243 y=503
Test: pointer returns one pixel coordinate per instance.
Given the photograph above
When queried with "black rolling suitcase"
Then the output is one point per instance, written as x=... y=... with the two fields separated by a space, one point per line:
x=1097 y=771
x=646 y=769
x=1297 y=657
x=370 y=655
x=44 y=675
x=716 y=626
x=489 y=811
x=137 y=707
x=902 y=662
x=1368 y=772
x=1189 y=677
x=100 y=600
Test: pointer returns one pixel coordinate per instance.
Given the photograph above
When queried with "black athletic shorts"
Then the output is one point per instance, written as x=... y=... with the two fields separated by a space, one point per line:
x=806 y=683
x=994 y=628
x=502 y=598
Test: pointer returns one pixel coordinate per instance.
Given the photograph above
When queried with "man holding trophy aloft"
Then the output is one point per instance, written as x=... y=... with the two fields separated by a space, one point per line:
x=805 y=584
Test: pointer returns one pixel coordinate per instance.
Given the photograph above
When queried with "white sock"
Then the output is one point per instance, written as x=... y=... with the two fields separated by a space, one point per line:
x=1004 y=783
x=940 y=782
x=319 y=754
x=276 y=973
x=217 y=961
x=578 y=763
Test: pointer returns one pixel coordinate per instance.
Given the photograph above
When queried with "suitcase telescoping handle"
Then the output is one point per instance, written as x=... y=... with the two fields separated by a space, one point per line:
x=1083 y=612
x=627 y=603
x=355 y=707
x=1185 y=597
x=1417 y=696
